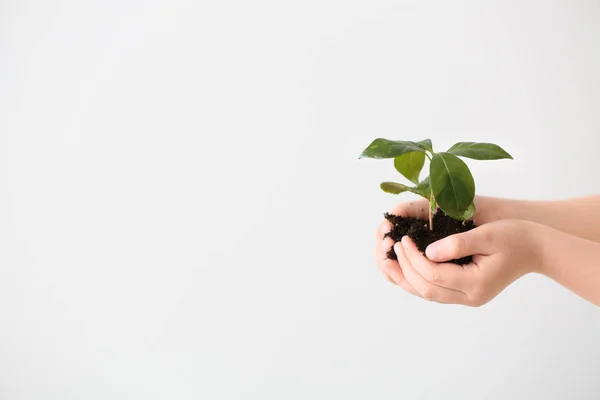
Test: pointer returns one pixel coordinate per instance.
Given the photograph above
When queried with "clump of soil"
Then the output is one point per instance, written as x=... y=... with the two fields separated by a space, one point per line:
x=418 y=231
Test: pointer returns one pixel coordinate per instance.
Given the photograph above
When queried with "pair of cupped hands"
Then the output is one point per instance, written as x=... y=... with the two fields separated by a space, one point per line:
x=503 y=250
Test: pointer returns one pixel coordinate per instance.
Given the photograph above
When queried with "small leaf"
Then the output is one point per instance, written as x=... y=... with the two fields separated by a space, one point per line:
x=451 y=183
x=468 y=214
x=425 y=144
x=396 y=188
x=384 y=148
x=410 y=165
x=479 y=151
x=393 y=187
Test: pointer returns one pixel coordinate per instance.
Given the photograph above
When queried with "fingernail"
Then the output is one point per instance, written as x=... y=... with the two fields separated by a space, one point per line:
x=432 y=252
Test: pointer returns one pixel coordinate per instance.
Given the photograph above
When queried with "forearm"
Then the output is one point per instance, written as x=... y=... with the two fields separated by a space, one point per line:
x=573 y=262
x=579 y=217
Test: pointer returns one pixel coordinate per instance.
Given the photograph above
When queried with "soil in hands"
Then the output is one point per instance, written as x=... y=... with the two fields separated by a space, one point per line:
x=418 y=231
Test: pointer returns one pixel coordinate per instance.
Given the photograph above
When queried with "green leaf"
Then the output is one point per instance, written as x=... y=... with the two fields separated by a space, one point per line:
x=393 y=187
x=425 y=144
x=479 y=151
x=384 y=148
x=421 y=189
x=451 y=183
x=468 y=214
x=410 y=165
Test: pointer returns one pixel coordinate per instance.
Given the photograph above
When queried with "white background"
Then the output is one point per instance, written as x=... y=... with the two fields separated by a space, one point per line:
x=183 y=214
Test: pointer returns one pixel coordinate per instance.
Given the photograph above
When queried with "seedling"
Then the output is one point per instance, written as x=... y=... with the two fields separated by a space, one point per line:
x=449 y=186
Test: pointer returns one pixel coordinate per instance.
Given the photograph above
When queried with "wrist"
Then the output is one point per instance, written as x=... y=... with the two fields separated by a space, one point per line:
x=529 y=244
x=550 y=243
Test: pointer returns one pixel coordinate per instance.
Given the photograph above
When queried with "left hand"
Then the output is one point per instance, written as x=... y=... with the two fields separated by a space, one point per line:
x=502 y=251
x=488 y=210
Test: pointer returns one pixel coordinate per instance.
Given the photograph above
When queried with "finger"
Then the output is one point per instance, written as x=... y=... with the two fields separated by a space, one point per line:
x=390 y=268
x=416 y=209
x=426 y=289
x=381 y=256
x=475 y=241
x=447 y=275
x=390 y=280
x=383 y=247
x=393 y=271
x=382 y=229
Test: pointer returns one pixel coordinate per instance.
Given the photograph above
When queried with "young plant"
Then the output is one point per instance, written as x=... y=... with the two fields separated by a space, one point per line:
x=449 y=186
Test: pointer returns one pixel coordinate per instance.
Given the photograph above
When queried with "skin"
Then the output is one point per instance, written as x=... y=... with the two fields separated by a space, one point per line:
x=559 y=239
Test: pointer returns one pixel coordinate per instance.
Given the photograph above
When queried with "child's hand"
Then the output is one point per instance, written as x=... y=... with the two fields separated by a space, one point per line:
x=502 y=252
x=485 y=213
x=559 y=239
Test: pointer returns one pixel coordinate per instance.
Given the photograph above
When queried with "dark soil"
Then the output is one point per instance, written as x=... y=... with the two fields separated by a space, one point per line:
x=418 y=231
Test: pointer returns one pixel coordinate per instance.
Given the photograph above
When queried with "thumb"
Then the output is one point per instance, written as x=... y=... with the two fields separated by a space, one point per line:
x=475 y=241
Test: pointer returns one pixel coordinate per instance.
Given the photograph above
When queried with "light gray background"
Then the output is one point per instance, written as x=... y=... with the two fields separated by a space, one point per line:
x=183 y=215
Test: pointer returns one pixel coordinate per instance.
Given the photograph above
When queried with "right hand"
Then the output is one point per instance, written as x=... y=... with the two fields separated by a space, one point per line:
x=502 y=251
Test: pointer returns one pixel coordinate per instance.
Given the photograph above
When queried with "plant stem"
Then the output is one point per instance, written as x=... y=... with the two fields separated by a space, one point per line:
x=432 y=208
x=432 y=202
x=430 y=220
